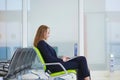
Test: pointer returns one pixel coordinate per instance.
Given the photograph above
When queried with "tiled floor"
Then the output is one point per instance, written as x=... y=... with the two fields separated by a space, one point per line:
x=105 y=75
x=95 y=75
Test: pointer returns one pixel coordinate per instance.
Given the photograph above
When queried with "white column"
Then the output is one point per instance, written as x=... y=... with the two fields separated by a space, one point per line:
x=81 y=27
x=24 y=7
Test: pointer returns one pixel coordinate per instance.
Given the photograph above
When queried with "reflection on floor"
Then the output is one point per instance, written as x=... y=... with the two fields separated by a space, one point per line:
x=95 y=75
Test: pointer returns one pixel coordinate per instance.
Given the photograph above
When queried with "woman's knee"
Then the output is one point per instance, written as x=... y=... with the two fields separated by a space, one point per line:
x=80 y=59
x=83 y=57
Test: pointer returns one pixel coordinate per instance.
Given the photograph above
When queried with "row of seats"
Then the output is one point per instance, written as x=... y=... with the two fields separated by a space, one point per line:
x=20 y=63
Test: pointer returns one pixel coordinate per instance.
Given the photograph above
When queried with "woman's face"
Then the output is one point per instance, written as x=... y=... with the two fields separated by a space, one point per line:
x=47 y=34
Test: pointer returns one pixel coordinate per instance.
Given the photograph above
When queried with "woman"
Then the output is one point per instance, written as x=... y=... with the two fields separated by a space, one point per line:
x=49 y=55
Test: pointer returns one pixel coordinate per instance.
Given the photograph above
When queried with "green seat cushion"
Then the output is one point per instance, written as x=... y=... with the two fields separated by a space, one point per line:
x=62 y=72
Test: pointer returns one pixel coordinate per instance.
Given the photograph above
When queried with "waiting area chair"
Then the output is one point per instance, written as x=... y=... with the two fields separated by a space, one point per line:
x=19 y=65
x=52 y=76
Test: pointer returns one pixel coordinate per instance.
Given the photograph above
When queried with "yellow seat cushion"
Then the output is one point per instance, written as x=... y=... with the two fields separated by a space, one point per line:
x=62 y=72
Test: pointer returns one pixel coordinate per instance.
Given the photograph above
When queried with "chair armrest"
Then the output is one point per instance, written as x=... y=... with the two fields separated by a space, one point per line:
x=57 y=63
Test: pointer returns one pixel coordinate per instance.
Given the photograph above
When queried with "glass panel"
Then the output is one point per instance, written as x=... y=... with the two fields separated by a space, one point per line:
x=95 y=33
x=2 y=5
x=112 y=5
x=96 y=44
x=62 y=18
x=113 y=37
x=94 y=5
x=102 y=21
x=3 y=50
x=10 y=27
x=14 y=5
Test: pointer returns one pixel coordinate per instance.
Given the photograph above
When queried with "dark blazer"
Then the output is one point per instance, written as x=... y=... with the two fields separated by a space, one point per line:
x=49 y=55
x=48 y=52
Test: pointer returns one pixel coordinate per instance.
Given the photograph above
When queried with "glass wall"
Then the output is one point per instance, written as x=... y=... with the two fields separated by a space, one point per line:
x=62 y=18
x=10 y=27
x=95 y=34
x=113 y=34
x=102 y=25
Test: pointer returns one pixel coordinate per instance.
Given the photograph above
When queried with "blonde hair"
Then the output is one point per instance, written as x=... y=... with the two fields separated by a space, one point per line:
x=40 y=34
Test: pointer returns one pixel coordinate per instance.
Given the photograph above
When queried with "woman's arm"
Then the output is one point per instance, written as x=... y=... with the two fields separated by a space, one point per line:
x=46 y=53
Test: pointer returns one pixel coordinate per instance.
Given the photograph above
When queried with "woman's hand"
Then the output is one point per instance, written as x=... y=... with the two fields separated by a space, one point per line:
x=65 y=58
